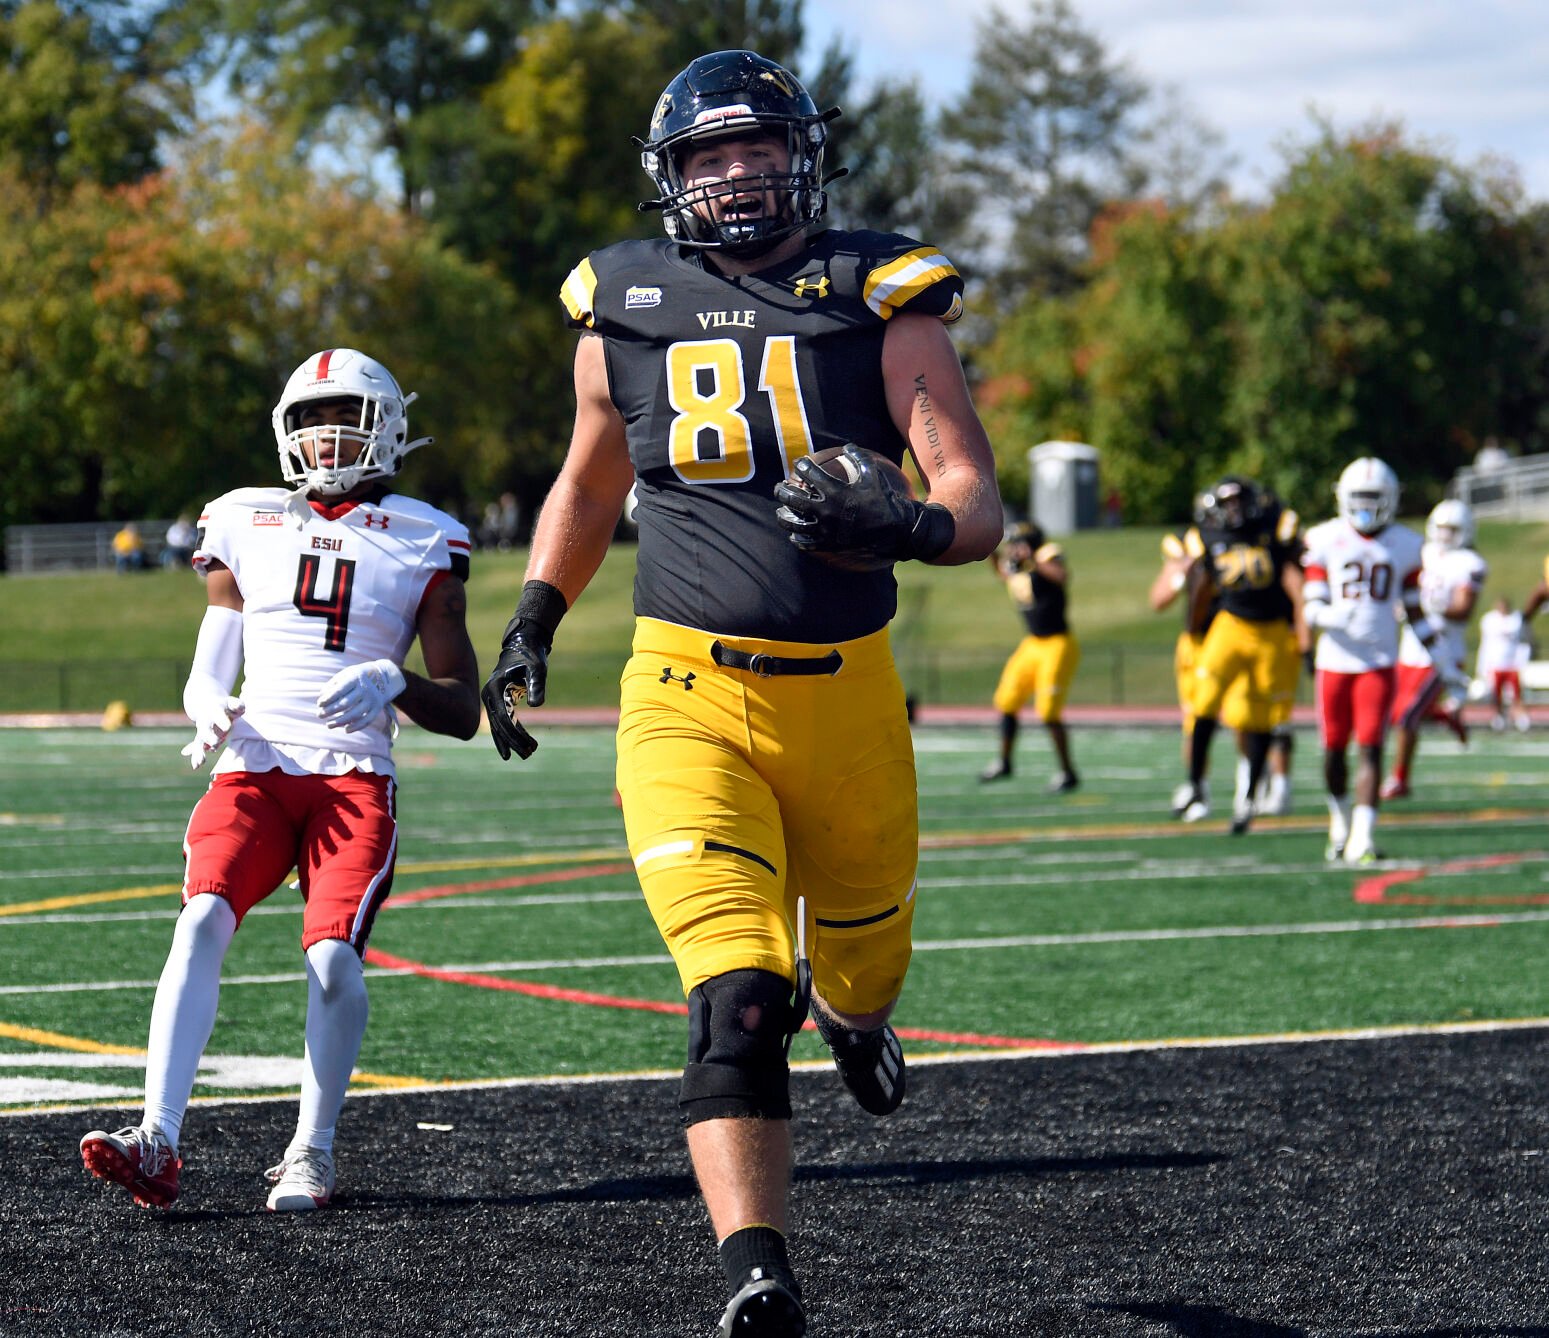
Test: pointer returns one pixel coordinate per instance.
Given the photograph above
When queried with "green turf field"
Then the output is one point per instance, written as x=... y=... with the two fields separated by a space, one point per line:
x=77 y=641
x=1085 y=920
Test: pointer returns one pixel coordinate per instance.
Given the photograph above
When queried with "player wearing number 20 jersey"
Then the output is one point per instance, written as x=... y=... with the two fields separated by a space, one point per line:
x=723 y=385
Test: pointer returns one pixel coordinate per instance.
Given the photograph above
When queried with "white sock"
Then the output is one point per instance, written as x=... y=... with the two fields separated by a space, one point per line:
x=1363 y=822
x=1338 y=820
x=183 y=1014
x=1279 y=788
x=1242 y=798
x=336 y=1025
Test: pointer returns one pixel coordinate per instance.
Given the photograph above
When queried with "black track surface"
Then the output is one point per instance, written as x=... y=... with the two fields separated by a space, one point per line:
x=1394 y=1187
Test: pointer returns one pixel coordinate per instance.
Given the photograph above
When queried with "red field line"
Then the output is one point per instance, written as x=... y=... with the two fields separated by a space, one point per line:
x=482 y=980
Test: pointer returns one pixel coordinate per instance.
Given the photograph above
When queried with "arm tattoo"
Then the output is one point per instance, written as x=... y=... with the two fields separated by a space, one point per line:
x=928 y=419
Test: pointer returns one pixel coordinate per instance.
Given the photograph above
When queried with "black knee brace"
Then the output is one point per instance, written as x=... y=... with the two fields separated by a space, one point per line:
x=739 y=1029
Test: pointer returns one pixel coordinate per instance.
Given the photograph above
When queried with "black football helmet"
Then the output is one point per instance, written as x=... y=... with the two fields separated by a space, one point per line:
x=1235 y=503
x=729 y=93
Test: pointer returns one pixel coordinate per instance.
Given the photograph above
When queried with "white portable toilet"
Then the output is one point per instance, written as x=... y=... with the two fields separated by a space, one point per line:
x=1062 y=486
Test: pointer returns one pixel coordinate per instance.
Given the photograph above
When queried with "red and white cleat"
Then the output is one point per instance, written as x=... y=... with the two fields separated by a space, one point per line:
x=141 y=1160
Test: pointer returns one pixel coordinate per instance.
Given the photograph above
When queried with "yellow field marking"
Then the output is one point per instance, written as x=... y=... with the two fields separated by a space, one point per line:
x=89 y=899
x=56 y=1041
x=78 y=899
x=391 y=1080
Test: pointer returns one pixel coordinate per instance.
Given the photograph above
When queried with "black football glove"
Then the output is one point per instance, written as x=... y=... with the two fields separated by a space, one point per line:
x=822 y=514
x=520 y=673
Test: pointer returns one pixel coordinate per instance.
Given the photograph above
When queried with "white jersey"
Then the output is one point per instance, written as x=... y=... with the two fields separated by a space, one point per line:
x=1444 y=572
x=1369 y=573
x=339 y=588
x=1500 y=642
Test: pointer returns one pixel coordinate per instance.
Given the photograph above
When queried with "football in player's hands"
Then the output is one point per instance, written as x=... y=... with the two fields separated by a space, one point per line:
x=837 y=463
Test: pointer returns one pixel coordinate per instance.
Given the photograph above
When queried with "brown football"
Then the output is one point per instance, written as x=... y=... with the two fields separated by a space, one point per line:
x=833 y=462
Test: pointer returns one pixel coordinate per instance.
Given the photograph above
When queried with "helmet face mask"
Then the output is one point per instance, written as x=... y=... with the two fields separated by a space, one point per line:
x=1451 y=524
x=1367 y=493
x=1233 y=504
x=736 y=94
x=321 y=458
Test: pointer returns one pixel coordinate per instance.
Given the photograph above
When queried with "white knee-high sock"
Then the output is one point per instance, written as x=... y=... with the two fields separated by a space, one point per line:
x=336 y=1024
x=1338 y=819
x=183 y=1014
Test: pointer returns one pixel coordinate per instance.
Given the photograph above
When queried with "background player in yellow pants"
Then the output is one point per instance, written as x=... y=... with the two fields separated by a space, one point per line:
x=1041 y=667
x=1249 y=548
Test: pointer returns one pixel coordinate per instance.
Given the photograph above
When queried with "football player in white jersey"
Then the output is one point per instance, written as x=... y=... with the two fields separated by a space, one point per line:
x=319 y=593
x=1503 y=650
x=1363 y=572
x=1432 y=684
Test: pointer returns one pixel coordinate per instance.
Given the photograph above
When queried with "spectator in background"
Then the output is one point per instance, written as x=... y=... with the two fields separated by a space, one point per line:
x=182 y=539
x=508 y=522
x=128 y=549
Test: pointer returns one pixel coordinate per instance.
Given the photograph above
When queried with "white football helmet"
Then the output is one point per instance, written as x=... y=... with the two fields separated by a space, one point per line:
x=1451 y=524
x=1367 y=493
x=382 y=431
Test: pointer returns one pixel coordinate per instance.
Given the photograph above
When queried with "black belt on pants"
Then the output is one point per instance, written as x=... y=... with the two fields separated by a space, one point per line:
x=769 y=666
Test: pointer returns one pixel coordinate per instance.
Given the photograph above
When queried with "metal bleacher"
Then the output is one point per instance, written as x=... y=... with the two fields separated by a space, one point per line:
x=31 y=549
x=1506 y=489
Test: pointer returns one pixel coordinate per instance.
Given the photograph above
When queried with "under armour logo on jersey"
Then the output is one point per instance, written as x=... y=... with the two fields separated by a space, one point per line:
x=686 y=679
x=812 y=287
x=373 y=520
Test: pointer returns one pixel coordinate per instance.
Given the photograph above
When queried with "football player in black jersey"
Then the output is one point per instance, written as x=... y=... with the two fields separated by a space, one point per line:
x=1249 y=547
x=1041 y=667
x=765 y=765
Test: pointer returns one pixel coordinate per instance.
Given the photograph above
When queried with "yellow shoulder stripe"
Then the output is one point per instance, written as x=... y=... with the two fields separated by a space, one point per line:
x=1290 y=526
x=1193 y=545
x=579 y=292
x=891 y=285
x=1049 y=553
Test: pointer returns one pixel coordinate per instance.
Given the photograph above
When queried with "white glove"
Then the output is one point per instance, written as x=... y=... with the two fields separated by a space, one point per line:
x=356 y=695
x=1330 y=617
x=212 y=723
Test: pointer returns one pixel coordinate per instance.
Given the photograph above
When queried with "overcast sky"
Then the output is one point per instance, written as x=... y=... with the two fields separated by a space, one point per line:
x=1469 y=76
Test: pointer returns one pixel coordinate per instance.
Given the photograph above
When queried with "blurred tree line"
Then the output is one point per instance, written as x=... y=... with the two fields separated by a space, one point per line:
x=195 y=194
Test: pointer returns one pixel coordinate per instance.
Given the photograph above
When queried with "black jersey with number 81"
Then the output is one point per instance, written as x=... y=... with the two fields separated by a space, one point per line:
x=723 y=384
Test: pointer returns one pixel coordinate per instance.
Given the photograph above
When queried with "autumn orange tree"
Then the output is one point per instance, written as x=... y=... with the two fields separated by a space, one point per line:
x=147 y=328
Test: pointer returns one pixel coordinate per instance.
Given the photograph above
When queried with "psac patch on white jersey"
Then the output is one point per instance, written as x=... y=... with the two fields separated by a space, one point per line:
x=1367 y=574
x=343 y=588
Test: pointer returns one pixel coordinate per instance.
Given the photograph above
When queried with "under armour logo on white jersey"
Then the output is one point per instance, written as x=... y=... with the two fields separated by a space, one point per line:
x=373 y=519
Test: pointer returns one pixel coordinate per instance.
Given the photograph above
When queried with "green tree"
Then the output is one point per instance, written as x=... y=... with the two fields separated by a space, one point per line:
x=83 y=93
x=1383 y=302
x=1049 y=131
x=358 y=76
x=161 y=318
x=1373 y=304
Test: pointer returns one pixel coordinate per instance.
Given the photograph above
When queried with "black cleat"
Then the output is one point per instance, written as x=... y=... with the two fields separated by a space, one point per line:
x=870 y=1062
x=1064 y=783
x=995 y=771
x=763 y=1308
